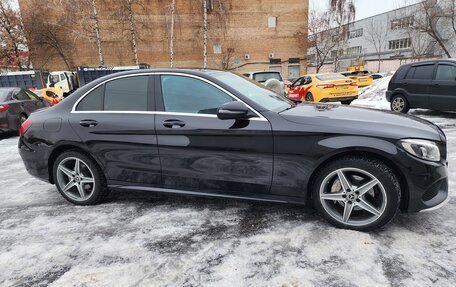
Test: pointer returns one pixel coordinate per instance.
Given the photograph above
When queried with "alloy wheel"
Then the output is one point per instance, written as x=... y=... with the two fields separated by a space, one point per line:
x=353 y=196
x=75 y=179
x=398 y=104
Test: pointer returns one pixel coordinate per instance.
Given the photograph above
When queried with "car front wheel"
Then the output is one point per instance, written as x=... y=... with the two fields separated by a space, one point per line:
x=79 y=179
x=400 y=104
x=356 y=193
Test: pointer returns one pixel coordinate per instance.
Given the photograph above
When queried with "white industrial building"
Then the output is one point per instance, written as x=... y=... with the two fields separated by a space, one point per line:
x=395 y=43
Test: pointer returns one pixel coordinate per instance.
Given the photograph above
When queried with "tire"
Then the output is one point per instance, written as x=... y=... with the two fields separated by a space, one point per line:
x=347 y=102
x=400 y=104
x=81 y=190
x=309 y=97
x=332 y=202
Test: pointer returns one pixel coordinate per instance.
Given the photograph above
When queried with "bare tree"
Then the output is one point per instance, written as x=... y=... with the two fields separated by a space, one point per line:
x=205 y=34
x=12 y=37
x=321 y=36
x=171 y=38
x=94 y=16
x=342 y=14
x=51 y=36
x=430 y=19
x=126 y=16
x=376 y=34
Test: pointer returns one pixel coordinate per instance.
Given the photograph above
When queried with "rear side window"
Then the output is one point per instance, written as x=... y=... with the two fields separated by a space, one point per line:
x=446 y=73
x=93 y=101
x=424 y=72
x=127 y=94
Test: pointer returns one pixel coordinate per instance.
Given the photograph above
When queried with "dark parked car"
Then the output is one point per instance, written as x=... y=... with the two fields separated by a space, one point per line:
x=429 y=85
x=213 y=133
x=16 y=105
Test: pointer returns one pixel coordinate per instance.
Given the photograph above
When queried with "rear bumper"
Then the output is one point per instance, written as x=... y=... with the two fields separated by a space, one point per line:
x=4 y=123
x=35 y=162
x=389 y=94
x=328 y=100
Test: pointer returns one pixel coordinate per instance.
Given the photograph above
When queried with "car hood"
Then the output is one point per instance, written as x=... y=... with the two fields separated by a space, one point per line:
x=362 y=121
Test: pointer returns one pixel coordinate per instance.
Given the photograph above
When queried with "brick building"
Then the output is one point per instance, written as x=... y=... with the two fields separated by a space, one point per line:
x=242 y=35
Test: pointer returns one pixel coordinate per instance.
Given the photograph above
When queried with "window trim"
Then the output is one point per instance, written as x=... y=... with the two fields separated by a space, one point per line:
x=73 y=109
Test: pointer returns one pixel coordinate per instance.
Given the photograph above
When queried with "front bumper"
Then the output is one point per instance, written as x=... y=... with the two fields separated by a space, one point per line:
x=427 y=183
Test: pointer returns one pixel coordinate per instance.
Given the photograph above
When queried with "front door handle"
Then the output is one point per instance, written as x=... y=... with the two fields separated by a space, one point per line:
x=88 y=123
x=171 y=124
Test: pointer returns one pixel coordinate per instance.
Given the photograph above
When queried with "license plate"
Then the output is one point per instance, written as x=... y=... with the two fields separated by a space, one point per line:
x=362 y=80
x=341 y=88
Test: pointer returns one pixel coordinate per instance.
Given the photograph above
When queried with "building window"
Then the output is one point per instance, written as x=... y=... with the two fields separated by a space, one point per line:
x=272 y=22
x=311 y=58
x=354 y=50
x=400 y=44
x=402 y=23
x=355 y=33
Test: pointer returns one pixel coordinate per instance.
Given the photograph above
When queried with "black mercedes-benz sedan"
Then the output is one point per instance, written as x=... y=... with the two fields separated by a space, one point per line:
x=214 y=133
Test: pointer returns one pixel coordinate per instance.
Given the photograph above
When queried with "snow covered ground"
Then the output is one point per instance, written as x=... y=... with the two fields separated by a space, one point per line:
x=142 y=239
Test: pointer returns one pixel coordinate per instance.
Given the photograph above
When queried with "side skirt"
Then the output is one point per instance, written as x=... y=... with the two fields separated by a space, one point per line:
x=249 y=196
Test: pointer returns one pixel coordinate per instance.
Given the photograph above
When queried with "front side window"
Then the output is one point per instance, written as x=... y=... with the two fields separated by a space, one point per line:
x=188 y=95
x=446 y=73
x=126 y=94
x=255 y=92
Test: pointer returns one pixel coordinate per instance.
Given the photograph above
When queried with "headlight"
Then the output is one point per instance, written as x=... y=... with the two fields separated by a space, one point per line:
x=423 y=149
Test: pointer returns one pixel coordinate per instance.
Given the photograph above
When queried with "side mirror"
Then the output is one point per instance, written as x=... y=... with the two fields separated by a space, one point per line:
x=233 y=111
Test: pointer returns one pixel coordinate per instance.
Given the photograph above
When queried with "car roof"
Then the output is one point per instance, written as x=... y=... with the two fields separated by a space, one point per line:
x=451 y=60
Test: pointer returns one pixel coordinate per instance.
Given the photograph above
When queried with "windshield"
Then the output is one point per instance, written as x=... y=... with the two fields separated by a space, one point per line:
x=4 y=94
x=263 y=77
x=255 y=92
x=54 y=78
x=330 y=77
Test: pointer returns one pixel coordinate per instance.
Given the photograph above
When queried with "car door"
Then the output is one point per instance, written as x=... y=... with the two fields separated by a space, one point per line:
x=417 y=83
x=26 y=104
x=443 y=88
x=115 y=122
x=202 y=153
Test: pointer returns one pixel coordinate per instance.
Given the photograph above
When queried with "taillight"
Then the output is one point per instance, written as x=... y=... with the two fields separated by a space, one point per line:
x=4 y=108
x=353 y=84
x=326 y=86
x=25 y=127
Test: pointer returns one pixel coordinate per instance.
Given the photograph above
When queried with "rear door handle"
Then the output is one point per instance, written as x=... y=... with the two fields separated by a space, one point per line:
x=173 y=124
x=88 y=123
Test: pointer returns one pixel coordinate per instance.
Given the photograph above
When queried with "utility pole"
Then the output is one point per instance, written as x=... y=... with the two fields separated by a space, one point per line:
x=205 y=33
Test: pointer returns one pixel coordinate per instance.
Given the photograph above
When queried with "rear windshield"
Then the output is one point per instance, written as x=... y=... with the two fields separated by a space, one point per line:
x=330 y=77
x=4 y=95
x=263 y=77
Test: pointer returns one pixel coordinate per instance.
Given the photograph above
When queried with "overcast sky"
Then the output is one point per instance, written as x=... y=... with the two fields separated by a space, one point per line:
x=367 y=8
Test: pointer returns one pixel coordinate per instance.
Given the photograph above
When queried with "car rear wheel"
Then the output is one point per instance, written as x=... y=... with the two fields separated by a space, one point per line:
x=356 y=193
x=309 y=97
x=347 y=102
x=79 y=179
x=400 y=104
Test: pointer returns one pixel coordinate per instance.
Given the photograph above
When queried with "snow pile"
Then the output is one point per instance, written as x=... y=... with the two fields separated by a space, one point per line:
x=373 y=96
